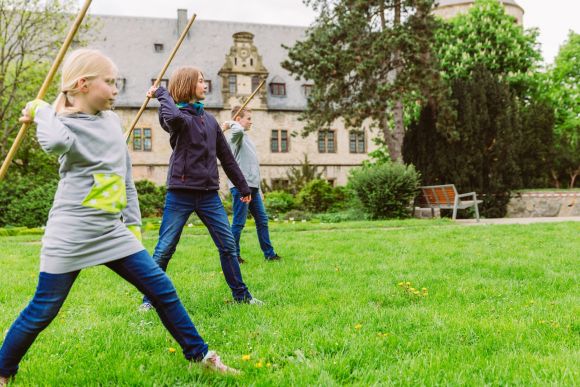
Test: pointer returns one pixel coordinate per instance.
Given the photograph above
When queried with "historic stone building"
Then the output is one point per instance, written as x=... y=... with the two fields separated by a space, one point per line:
x=234 y=58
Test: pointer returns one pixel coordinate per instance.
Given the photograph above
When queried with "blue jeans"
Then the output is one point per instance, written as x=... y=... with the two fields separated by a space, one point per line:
x=139 y=270
x=256 y=207
x=179 y=204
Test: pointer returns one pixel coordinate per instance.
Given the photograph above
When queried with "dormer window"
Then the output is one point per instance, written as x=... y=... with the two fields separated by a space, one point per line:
x=158 y=47
x=306 y=89
x=278 y=87
x=255 y=82
x=232 y=84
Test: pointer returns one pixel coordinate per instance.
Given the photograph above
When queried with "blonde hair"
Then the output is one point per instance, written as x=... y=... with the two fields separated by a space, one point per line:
x=242 y=113
x=183 y=82
x=82 y=63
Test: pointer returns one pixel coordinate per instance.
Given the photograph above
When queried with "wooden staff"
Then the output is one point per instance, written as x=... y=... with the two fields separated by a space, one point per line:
x=247 y=102
x=159 y=77
x=45 y=85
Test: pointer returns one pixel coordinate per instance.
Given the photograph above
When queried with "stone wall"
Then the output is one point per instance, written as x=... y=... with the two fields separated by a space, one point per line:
x=544 y=204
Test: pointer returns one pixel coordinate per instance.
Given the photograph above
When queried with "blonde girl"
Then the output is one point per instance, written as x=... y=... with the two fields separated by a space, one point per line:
x=95 y=217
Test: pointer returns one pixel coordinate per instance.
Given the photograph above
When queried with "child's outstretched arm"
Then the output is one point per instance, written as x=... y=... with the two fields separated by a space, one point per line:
x=169 y=113
x=53 y=136
x=131 y=213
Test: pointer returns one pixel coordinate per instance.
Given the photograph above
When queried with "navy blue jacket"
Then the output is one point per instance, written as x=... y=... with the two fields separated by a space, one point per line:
x=197 y=142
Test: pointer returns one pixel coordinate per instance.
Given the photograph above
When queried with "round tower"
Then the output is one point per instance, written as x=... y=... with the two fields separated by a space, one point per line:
x=446 y=9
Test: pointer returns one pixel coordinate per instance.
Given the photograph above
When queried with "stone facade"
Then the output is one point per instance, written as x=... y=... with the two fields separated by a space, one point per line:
x=235 y=58
x=447 y=9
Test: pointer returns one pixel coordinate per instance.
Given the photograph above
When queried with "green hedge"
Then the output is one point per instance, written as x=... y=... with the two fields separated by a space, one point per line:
x=385 y=191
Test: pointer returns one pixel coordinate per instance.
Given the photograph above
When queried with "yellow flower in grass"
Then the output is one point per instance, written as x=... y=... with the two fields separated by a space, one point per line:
x=259 y=364
x=246 y=357
x=268 y=365
x=171 y=350
x=358 y=326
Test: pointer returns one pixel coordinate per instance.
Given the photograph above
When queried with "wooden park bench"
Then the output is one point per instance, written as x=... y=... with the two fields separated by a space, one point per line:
x=445 y=197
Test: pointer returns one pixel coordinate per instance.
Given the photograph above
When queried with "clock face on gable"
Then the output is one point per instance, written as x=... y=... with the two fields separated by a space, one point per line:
x=244 y=53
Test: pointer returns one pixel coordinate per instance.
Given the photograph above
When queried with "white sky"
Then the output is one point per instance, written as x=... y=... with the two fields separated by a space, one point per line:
x=554 y=18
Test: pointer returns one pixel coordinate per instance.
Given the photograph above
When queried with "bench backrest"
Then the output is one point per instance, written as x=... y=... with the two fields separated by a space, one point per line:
x=436 y=195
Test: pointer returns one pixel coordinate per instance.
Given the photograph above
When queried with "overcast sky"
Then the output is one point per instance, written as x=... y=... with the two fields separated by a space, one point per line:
x=554 y=18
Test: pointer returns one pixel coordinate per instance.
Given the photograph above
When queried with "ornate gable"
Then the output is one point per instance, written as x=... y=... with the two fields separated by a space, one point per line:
x=242 y=72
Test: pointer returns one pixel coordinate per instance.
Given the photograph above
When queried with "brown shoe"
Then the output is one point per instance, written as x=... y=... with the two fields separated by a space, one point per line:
x=241 y=260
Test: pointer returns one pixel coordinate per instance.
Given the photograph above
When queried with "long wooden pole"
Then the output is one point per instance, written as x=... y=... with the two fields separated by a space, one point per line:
x=247 y=102
x=43 y=89
x=159 y=77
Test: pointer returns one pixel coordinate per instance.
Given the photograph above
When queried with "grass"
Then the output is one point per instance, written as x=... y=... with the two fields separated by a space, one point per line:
x=502 y=309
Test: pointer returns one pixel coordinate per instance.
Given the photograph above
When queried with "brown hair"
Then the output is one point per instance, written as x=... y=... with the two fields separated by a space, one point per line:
x=183 y=82
x=242 y=113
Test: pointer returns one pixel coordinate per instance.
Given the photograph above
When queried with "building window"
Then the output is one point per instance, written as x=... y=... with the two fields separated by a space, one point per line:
x=120 y=83
x=142 y=139
x=163 y=82
x=357 y=142
x=327 y=141
x=280 y=184
x=278 y=89
x=232 y=82
x=207 y=86
x=307 y=89
x=279 y=141
x=158 y=47
x=255 y=83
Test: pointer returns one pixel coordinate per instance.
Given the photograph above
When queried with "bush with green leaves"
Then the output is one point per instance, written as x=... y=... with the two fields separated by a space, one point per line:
x=316 y=196
x=278 y=202
x=386 y=190
x=151 y=198
x=31 y=209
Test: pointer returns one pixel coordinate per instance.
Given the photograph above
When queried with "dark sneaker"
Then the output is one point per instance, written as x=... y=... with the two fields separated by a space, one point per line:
x=241 y=260
x=275 y=257
x=146 y=307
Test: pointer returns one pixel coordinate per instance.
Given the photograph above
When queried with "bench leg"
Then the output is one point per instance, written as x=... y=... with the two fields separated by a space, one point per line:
x=432 y=213
x=476 y=212
x=454 y=212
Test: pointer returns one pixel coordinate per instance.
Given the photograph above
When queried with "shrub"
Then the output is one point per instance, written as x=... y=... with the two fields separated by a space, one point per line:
x=316 y=196
x=385 y=191
x=31 y=209
x=151 y=198
x=278 y=202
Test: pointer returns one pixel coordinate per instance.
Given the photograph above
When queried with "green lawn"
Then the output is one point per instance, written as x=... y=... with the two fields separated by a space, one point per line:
x=502 y=308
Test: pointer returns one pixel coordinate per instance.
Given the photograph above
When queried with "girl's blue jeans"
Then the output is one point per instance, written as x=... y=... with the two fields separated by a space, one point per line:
x=140 y=270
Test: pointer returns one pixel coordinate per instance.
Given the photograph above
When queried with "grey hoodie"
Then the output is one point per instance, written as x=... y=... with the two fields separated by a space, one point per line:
x=246 y=155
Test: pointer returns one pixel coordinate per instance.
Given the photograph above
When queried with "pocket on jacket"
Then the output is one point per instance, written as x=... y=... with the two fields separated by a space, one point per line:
x=107 y=193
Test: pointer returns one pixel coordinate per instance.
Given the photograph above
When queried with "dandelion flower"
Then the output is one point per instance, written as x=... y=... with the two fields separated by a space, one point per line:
x=259 y=364
x=358 y=326
x=246 y=357
x=171 y=350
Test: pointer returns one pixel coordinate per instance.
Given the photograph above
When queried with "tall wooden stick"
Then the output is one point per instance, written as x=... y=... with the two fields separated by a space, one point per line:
x=160 y=76
x=249 y=99
x=47 y=81
x=247 y=102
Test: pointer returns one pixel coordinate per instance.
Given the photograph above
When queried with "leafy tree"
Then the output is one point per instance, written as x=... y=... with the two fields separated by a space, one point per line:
x=31 y=32
x=564 y=91
x=487 y=36
x=483 y=153
x=366 y=59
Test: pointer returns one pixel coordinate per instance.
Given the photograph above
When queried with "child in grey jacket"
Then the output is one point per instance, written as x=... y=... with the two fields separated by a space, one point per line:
x=95 y=217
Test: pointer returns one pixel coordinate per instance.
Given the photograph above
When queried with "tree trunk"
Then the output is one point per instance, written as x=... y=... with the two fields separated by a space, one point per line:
x=396 y=143
x=573 y=177
x=556 y=180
